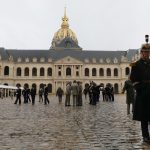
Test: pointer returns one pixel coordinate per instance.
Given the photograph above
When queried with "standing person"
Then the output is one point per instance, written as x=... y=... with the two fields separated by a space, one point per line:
x=46 y=100
x=59 y=93
x=111 y=92
x=33 y=93
x=103 y=92
x=41 y=91
x=74 y=89
x=25 y=95
x=140 y=77
x=28 y=95
x=95 y=93
x=18 y=95
x=79 y=98
x=86 y=90
x=130 y=94
x=11 y=94
x=68 y=94
x=90 y=92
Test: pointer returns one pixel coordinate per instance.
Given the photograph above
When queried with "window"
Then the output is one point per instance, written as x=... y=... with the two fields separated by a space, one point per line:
x=101 y=60
x=49 y=88
x=86 y=60
x=49 y=71
x=34 y=59
x=42 y=71
x=59 y=73
x=127 y=71
x=108 y=72
x=115 y=60
x=94 y=60
x=101 y=72
x=94 y=72
x=18 y=72
x=19 y=59
x=6 y=71
x=108 y=60
x=49 y=60
x=115 y=72
x=26 y=72
x=26 y=85
x=68 y=44
x=34 y=72
x=27 y=60
x=77 y=73
x=68 y=71
x=42 y=59
x=86 y=72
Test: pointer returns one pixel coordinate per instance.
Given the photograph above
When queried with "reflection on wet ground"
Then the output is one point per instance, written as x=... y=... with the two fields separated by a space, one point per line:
x=105 y=126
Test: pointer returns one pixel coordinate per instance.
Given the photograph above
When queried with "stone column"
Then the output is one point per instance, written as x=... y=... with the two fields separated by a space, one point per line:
x=30 y=72
x=22 y=72
x=72 y=71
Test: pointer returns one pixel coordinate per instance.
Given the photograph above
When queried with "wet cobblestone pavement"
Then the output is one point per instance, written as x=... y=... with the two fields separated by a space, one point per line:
x=105 y=126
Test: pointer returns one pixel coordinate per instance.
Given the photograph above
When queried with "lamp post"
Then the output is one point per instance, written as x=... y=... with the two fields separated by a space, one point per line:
x=147 y=38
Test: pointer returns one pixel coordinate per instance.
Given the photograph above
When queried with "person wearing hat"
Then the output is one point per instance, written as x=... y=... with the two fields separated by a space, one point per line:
x=140 y=77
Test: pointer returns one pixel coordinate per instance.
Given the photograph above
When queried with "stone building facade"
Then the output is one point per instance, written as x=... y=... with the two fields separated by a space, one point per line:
x=65 y=61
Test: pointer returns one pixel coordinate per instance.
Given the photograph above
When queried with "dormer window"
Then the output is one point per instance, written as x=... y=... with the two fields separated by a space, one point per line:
x=34 y=59
x=67 y=44
x=94 y=60
x=86 y=60
x=49 y=60
x=27 y=60
x=108 y=60
x=124 y=59
x=10 y=58
x=42 y=59
x=101 y=60
x=19 y=59
x=115 y=60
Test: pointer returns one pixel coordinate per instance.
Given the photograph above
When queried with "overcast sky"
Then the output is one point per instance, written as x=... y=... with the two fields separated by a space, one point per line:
x=98 y=24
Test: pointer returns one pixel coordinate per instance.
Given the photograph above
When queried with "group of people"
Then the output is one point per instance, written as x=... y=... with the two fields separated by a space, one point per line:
x=94 y=90
x=74 y=89
x=29 y=95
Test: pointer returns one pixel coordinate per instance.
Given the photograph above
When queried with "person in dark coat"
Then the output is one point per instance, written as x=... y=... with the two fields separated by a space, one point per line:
x=130 y=94
x=33 y=93
x=59 y=93
x=25 y=95
x=46 y=100
x=95 y=93
x=28 y=95
x=79 y=97
x=140 y=77
x=18 y=95
x=111 y=92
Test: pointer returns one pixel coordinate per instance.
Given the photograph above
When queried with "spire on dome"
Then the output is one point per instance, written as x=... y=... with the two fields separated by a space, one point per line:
x=65 y=20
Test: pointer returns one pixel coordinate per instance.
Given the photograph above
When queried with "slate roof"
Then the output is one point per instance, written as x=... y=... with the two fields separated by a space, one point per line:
x=59 y=54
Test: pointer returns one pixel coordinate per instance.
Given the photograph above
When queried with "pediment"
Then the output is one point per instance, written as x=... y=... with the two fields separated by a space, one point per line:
x=68 y=60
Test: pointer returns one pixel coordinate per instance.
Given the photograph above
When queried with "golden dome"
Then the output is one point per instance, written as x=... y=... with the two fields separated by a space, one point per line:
x=64 y=32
